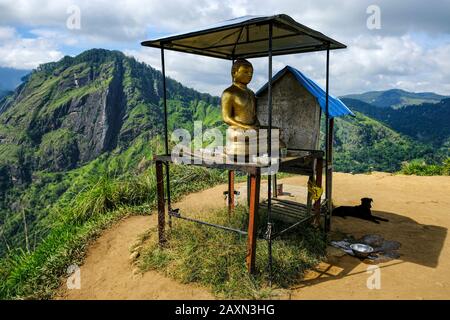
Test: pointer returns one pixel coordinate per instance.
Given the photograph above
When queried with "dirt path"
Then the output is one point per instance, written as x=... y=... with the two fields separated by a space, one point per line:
x=418 y=209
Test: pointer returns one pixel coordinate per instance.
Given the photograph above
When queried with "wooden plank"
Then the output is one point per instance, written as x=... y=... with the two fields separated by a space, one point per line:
x=286 y=211
x=244 y=167
x=255 y=182
x=285 y=206
x=290 y=202
x=161 y=202
x=297 y=165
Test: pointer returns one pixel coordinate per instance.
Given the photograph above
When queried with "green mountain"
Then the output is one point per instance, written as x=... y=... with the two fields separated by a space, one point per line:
x=427 y=123
x=396 y=98
x=364 y=144
x=70 y=112
x=75 y=119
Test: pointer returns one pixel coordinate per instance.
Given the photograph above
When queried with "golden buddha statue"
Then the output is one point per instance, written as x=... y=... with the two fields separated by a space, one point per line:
x=239 y=110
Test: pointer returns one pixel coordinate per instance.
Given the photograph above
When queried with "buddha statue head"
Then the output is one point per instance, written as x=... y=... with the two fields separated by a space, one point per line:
x=242 y=71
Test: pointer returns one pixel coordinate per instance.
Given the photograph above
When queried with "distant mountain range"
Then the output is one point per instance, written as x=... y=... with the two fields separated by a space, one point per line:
x=396 y=98
x=427 y=122
x=10 y=78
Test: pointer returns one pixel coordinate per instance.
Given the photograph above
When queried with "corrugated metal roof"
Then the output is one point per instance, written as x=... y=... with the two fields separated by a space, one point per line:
x=248 y=37
x=336 y=107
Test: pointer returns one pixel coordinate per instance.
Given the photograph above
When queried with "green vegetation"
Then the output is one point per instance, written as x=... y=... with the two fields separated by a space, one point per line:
x=421 y=168
x=363 y=144
x=74 y=120
x=216 y=258
x=58 y=150
x=426 y=123
x=76 y=221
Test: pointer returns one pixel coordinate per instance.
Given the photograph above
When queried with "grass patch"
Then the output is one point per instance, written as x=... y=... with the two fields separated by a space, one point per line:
x=37 y=275
x=216 y=258
x=76 y=222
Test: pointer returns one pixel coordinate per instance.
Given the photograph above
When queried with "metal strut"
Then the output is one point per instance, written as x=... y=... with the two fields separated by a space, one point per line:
x=269 y=144
x=268 y=237
x=166 y=140
x=291 y=226
x=175 y=213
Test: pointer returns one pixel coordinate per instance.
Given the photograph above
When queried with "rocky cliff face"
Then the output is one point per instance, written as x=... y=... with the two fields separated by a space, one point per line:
x=69 y=112
x=73 y=120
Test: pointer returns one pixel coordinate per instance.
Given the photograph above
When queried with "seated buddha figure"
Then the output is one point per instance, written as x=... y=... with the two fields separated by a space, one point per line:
x=239 y=110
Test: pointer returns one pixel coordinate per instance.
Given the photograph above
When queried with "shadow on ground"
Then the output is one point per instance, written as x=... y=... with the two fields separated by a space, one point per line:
x=420 y=244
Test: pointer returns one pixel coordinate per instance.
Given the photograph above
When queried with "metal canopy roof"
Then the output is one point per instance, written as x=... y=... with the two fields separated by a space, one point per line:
x=248 y=37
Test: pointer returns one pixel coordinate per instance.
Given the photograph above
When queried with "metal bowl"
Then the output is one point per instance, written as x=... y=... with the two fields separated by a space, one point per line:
x=361 y=250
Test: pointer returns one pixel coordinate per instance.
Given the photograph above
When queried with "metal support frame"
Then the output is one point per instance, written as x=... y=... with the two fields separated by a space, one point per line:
x=161 y=202
x=255 y=182
x=328 y=150
x=317 y=206
x=253 y=178
x=175 y=213
x=275 y=235
x=329 y=203
x=166 y=134
x=230 y=191
x=274 y=186
x=269 y=144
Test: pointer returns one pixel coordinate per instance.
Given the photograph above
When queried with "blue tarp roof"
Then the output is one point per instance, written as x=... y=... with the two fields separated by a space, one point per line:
x=336 y=107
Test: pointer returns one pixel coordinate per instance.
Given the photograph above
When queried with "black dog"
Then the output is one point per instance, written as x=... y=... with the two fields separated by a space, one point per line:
x=362 y=211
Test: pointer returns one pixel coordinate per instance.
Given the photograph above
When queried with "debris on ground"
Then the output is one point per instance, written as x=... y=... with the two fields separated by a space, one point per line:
x=383 y=250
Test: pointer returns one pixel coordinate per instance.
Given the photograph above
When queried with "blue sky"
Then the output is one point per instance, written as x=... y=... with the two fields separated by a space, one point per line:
x=410 y=50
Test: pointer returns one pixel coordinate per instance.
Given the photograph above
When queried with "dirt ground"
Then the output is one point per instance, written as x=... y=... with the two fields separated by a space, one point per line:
x=418 y=209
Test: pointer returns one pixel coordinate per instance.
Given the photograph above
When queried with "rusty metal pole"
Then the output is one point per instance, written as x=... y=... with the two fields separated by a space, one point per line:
x=269 y=144
x=255 y=181
x=166 y=134
x=329 y=142
x=274 y=186
x=319 y=169
x=161 y=202
x=330 y=174
x=230 y=191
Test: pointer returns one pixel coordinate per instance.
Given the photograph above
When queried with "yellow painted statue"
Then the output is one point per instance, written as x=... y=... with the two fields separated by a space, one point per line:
x=238 y=101
x=239 y=109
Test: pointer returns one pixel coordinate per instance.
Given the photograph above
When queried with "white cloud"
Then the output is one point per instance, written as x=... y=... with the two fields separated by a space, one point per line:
x=57 y=37
x=202 y=73
x=370 y=63
x=393 y=56
x=26 y=53
x=7 y=33
x=132 y=20
x=391 y=62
